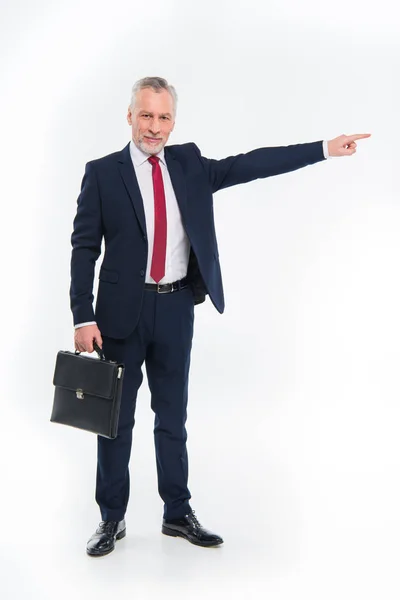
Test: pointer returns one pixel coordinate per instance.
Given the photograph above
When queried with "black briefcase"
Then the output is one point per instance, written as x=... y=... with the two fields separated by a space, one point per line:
x=87 y=392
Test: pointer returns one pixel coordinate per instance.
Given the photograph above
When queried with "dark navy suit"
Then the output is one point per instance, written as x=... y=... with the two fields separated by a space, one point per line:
x=141 y=326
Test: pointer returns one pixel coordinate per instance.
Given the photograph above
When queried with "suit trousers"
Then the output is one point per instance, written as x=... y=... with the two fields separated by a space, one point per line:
x=163 y=341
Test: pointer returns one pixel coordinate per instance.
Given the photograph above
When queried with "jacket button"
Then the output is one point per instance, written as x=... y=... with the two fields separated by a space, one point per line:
x=142 y=272
x=145 y=238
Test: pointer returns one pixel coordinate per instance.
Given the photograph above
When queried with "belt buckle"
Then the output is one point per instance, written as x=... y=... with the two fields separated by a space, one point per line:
x=166 y=291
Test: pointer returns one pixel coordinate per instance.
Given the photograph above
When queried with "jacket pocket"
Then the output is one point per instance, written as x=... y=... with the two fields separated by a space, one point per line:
x=108 y=275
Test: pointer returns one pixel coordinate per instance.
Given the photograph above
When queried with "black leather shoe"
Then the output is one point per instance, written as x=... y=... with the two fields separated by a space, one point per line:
x=103 y=540
x=189 y=528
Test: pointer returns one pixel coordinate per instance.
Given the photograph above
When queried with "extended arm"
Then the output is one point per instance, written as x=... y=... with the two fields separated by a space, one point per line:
x=260 y=163
x=265 y=162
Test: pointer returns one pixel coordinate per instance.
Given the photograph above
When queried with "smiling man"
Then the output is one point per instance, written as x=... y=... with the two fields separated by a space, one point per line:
x=150 y=127
x=153 y=205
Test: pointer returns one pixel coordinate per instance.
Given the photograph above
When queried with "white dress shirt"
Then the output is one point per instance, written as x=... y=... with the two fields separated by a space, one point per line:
x=178 y=245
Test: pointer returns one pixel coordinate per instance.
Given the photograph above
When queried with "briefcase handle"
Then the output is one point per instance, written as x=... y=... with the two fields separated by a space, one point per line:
x=98 y=350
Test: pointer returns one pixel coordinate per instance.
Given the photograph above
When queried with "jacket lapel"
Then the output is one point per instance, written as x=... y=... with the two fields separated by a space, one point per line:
x=178 y=181
x=130 y=180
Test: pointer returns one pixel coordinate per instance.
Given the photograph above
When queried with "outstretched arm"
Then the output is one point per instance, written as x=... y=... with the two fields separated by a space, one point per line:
x=266 y=162
x=260 y=163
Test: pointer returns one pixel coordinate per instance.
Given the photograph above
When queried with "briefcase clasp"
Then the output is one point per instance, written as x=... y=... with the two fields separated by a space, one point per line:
x=79 y=394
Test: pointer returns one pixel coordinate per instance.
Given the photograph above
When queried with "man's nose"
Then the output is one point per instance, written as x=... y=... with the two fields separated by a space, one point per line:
x=155 y=126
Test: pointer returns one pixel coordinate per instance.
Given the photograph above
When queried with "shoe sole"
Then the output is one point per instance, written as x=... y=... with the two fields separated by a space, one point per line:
x=174 y=533
x=119 y=536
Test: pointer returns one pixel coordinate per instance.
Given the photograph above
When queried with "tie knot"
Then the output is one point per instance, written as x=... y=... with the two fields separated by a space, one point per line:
x=153 y=159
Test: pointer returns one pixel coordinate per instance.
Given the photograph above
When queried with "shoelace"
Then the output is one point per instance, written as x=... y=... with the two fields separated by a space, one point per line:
x=107 y=527
x=194 y=519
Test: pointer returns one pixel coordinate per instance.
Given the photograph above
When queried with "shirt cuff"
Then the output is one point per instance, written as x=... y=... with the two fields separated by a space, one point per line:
x=325 y=149
x=83 y=324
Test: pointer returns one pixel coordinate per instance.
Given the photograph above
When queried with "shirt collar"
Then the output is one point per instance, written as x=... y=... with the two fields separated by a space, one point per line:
x=139 y=157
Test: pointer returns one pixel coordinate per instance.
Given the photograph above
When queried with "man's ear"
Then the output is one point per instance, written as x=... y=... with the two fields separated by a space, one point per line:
x=129 y=116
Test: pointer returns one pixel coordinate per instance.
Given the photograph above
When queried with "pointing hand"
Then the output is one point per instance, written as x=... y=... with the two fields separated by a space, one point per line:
x=345 y=145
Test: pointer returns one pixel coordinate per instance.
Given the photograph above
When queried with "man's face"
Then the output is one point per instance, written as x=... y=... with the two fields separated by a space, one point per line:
x=152 y=119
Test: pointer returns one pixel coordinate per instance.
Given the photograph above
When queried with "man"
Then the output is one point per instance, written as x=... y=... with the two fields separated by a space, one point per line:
x=153 y=205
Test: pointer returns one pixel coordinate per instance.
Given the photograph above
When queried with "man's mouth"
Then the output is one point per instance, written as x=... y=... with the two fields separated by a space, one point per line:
x=152 y=140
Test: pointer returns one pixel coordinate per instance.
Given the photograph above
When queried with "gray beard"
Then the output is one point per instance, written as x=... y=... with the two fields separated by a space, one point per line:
x=151 y=149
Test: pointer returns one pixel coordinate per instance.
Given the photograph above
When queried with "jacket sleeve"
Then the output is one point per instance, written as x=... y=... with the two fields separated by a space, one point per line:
x=86 y=247
x=260 y=163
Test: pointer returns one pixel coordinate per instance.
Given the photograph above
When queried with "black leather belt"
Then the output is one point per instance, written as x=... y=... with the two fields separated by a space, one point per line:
x=165 y=288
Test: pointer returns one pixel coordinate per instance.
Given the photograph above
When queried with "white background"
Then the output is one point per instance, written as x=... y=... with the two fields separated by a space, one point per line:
x=293 y=414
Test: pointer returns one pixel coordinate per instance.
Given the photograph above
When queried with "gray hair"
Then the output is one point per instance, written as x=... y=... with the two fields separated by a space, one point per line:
x=157 y=84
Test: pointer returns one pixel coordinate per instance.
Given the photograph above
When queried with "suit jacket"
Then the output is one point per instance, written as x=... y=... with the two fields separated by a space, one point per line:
x=110 y=206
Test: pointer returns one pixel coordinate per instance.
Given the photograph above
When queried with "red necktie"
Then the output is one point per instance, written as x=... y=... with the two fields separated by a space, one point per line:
x=157 y=270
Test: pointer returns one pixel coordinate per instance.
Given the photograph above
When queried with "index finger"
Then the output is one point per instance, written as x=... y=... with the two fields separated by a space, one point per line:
x=358 y=136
